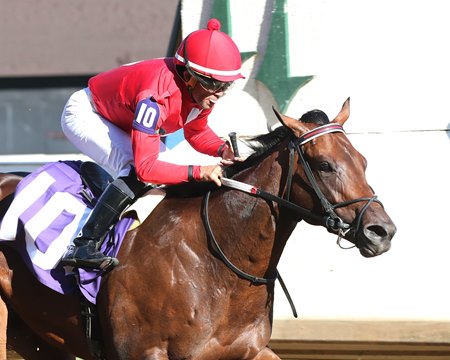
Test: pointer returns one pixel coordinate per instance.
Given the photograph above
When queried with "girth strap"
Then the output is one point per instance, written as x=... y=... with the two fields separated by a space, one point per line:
x=89 y=314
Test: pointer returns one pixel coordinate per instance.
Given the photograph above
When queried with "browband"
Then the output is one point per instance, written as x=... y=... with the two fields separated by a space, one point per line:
x=319 y=131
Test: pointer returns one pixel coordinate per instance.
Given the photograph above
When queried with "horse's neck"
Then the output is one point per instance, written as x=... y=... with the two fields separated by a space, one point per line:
x=253 y=235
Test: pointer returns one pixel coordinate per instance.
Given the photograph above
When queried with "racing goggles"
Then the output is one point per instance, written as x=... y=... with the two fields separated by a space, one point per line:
x=211 y=85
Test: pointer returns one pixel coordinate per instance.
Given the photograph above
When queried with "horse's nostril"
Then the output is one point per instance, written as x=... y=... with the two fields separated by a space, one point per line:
x=376 y=231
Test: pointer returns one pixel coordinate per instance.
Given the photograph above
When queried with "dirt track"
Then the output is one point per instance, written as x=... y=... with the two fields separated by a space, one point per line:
x=313 y=350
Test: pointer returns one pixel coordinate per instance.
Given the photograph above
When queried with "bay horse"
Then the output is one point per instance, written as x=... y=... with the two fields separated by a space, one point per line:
x=196 y=278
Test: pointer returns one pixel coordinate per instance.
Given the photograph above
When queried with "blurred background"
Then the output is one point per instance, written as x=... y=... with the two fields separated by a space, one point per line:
x=51 y=49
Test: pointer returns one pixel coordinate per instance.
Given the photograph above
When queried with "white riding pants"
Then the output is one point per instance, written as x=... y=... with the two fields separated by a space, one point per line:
x=96 y=137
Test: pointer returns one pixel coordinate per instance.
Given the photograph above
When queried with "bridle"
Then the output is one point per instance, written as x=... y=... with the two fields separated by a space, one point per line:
x=331 y=220
x=328 y=218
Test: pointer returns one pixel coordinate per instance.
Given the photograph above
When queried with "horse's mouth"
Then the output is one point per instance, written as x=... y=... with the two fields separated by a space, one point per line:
x=368 y=252
x=368 y=248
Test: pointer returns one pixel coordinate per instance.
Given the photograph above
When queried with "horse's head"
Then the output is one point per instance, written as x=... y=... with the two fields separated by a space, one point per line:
x=330 y=178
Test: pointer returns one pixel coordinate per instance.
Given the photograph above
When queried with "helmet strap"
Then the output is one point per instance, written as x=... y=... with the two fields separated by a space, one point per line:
x=190 y=84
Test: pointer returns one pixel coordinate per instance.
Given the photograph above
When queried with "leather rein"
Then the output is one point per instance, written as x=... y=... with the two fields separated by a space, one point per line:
x=330 y=220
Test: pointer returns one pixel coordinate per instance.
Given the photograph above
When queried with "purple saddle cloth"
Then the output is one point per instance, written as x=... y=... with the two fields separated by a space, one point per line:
x=47 y=213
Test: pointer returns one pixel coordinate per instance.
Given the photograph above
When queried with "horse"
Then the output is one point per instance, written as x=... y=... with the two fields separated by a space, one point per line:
x=196 y=279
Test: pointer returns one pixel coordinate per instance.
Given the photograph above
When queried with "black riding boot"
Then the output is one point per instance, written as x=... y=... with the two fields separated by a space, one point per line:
x=116 y=197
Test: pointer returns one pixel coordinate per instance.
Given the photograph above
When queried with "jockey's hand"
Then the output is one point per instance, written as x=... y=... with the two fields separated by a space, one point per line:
x=228 y=157
x=211 y=173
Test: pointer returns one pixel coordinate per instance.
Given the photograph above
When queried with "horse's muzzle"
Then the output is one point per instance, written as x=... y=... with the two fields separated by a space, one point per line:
x=375 y=239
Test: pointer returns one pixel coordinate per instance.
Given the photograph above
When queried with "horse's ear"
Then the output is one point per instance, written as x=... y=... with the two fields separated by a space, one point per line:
x=343 y=115
x=295 y=125
x=279 y=116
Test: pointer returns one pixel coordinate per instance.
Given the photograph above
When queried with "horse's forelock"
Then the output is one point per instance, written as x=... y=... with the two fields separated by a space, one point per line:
x=315 y=117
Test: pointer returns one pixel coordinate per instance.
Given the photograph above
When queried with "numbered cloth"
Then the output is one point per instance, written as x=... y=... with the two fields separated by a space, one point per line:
x=47 y=213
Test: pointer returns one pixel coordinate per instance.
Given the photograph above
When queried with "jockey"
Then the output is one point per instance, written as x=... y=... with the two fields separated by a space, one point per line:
x=119 y=118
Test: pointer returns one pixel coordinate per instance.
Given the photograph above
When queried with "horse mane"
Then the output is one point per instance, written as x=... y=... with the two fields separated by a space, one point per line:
x=260 y=146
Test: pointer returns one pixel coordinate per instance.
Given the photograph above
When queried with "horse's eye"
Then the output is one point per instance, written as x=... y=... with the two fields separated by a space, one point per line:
x=325 y=166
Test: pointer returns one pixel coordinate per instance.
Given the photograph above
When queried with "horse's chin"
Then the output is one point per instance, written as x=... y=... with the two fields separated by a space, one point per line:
x=368 y=253
x=369 y=250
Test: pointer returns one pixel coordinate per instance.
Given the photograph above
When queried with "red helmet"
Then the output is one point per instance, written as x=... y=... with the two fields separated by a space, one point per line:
x=210 y=52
